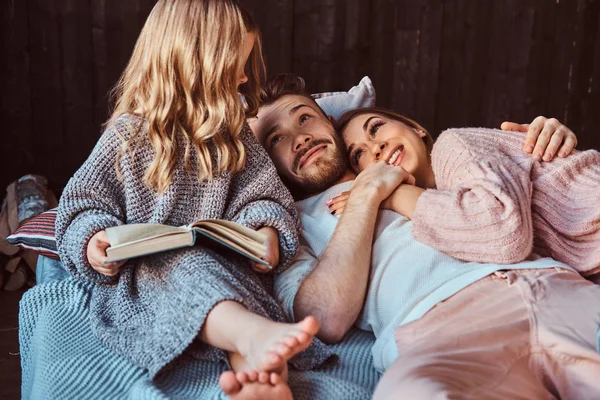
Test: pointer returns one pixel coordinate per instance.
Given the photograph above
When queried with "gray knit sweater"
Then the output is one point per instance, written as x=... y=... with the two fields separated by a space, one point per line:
x=154 y=309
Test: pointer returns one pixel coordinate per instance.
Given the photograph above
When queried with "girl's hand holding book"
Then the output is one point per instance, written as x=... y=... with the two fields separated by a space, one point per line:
x=272 y=254
x=96 y=254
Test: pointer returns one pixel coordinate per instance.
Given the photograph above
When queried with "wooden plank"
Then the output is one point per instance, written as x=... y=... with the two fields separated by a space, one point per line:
x=276 y=21
x=123 y=23
x=15 y=103
x=354 y=61
x=560 y=77
x=428 y=72
x=449 y=101
x=588 y=131
x=520 y=50
x=382 y=40
x=99 y=49
x=496 y=101
x=405 y=71
x=541 y=58
x=584 y=97
x=405 y=56
x=116 y=26
x=77 y=77
x=476 y=39
x=46 y=91
x=314 y=38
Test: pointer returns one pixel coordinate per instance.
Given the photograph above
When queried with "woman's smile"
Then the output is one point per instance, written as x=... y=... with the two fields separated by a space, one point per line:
x=397 y=156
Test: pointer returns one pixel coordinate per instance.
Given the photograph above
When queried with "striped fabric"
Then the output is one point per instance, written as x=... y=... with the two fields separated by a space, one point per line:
x=37 y=234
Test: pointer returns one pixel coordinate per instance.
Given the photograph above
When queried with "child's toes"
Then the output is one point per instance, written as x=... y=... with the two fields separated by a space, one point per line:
x=303 y=337
x=242 y=377
x=310 y=325
x=291 y=341
x=275 y=379
x=272 y=360
x=283 y=350
x=264 y=377
x=229 y=383
x=252 y=376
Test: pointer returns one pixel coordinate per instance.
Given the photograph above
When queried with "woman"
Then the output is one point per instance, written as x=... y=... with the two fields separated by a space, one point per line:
x=478 y=196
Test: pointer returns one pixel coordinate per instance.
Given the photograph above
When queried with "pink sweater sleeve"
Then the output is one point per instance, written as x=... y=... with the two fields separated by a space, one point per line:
x=481 y=210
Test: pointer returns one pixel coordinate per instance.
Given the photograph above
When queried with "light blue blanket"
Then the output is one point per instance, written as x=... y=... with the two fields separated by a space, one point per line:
x=61 y=359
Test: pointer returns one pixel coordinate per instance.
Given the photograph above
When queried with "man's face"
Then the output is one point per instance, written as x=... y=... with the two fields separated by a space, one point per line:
x=301 y=141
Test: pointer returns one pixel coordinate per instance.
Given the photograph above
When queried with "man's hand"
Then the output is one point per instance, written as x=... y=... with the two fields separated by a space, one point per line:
x=96 y=254
x=272 y=254
x=545 y=137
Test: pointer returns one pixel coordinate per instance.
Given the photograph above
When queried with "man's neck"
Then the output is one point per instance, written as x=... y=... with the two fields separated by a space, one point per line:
x=348 y=176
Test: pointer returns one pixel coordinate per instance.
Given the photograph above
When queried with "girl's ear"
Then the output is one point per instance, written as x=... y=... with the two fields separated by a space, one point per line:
x=421 y=133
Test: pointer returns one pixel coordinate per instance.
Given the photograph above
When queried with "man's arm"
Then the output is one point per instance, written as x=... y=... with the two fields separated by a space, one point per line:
x=335 y=290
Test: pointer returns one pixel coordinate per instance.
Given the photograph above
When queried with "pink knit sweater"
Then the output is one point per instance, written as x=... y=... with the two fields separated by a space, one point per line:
x=494 y=203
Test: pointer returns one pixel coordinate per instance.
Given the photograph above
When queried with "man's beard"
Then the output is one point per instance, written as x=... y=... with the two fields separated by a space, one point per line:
x=325 y=172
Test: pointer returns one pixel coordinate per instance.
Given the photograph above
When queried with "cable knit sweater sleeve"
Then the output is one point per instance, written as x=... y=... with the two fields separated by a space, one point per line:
x=263 y=200
x=481 y=209
x=90 y=203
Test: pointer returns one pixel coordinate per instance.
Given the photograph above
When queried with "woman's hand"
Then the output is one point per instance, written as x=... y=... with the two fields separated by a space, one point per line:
x=386 y=178
x=545 y=137
x=272 y=253
x=96 y=254
x=337 y=204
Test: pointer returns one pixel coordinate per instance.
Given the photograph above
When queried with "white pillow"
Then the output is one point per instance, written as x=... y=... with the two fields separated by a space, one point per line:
x=337 y=103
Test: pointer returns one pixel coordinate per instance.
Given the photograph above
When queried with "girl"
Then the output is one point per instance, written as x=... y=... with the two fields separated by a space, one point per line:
x=177 y=149
x=478 y=197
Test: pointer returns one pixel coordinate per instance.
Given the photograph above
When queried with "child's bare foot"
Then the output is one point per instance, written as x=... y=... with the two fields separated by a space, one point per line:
x=268 y=346
x=254 y=386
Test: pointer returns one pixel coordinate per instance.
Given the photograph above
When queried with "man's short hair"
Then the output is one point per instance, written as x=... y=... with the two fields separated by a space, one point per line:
x=285 y=84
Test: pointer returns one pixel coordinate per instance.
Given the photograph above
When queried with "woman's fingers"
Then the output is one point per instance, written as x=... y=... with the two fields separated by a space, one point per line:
x=339 y=197
x=336 y=209
x=337 y=203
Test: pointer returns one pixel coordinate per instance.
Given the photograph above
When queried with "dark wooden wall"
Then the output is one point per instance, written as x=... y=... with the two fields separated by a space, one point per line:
x=443 y=62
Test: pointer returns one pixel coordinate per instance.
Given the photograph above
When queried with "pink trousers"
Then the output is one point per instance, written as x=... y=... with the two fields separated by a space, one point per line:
x=518 y=334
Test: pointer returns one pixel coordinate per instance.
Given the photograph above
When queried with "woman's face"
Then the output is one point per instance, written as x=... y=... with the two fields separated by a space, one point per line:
x=370 y=138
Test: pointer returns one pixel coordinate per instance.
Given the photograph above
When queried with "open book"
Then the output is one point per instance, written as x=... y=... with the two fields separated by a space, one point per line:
x=134 y=240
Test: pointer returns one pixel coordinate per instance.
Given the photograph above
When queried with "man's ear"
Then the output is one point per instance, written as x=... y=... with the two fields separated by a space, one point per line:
x=331 y=119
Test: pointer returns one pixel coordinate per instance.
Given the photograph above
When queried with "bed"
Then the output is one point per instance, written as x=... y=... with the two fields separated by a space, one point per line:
x=61 y=358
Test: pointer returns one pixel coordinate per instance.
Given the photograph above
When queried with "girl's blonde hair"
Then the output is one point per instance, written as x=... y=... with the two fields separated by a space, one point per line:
x=182 y=79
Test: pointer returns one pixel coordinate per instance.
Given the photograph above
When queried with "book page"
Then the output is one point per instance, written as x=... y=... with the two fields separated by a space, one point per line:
x=233 y=246
x=218 y=224
x=144 y=247
x=249 y=245
x=118 y=235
